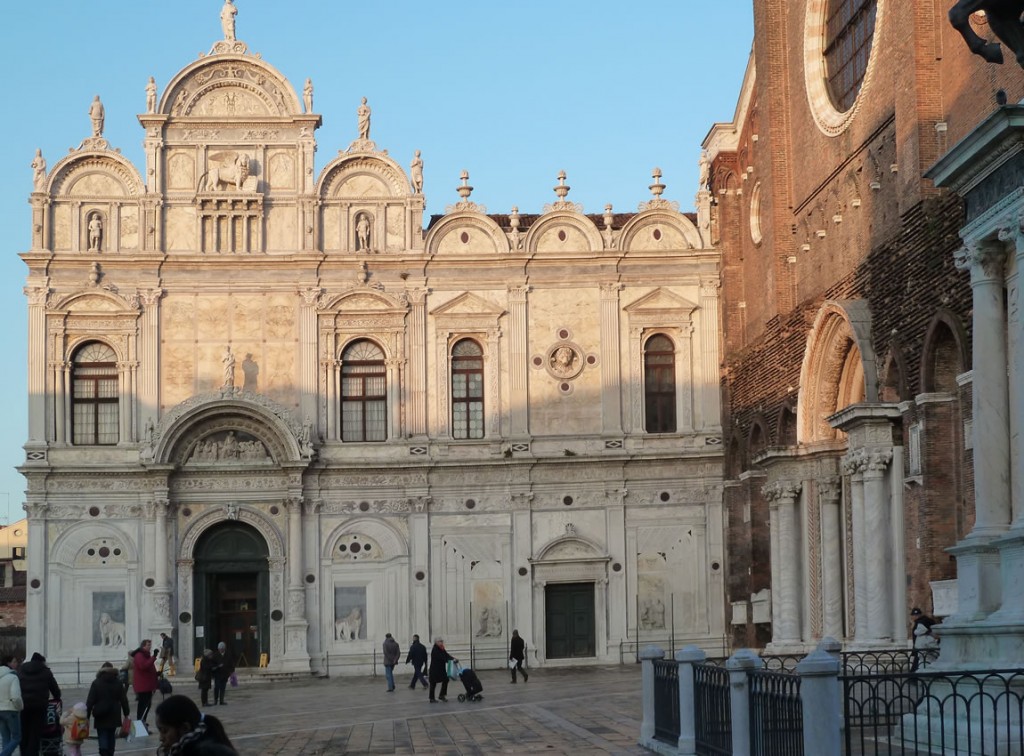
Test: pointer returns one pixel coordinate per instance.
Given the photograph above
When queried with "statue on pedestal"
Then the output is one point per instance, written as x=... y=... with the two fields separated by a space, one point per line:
x=151 y=95
x=39 y=172
x=307 y=95
x=96 y=114
x=363 y=113
x=416 y=171
x=227 y=20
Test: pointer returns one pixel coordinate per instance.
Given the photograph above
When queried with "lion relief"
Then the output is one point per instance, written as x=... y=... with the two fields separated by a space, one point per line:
x=111 y=632
x=232 y=171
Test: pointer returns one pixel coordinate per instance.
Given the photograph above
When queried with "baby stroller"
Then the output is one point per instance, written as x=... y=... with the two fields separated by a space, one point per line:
x=471 y=683
x=51 y=740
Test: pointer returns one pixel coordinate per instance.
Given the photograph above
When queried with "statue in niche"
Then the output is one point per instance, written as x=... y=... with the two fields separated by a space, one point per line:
x=96 y=115
x=227 y=20
x=363 y=233
x=95 y=232
x=307 y=95
x=251 y=373
x=563 y=361
x=652 y=615
x=489 y=624
x=1004 y=18
x=416 y=171
x=151 y=95
x=111 y=632
x=39 y=172
x=347 y=628
x=363 y=114
x=229 y=367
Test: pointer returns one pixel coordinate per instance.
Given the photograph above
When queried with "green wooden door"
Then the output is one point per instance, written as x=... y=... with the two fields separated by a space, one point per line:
x=569 y=616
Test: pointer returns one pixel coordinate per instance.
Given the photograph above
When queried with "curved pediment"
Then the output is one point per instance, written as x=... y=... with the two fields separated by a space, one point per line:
x=570 y=548
x=562 y=232
x=363 y=177
x=98 y=301
x=365 y=301
x=229 y=86
x=466 y=233
x=95 y=175
x=659 y=230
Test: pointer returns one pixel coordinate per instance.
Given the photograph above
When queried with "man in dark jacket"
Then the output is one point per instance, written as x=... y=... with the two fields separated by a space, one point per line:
x=418 y=658
x=222 y=669
x=392 y=653
x=517 y=653
x=38 y=686
x=107 y=704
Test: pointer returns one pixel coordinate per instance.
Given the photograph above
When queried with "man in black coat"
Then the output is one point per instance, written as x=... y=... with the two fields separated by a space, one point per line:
x=38 y=686
x=417 y=656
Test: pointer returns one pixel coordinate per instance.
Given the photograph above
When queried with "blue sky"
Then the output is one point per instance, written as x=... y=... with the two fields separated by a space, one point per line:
x=511 y=92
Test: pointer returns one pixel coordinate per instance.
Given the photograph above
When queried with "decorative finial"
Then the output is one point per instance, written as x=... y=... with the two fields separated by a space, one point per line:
x=562 y=189
x=465 y=189
x=513 y=222
x=657 y=187
x=94 y=274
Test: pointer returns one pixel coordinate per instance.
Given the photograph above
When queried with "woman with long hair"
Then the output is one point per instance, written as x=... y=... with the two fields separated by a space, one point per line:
x=186 y=731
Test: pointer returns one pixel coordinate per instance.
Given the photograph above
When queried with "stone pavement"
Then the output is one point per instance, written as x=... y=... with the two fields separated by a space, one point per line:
x=588 y=710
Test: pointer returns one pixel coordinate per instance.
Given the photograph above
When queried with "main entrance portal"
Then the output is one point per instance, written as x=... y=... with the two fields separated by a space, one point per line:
x=569 y=620
x=232 y=593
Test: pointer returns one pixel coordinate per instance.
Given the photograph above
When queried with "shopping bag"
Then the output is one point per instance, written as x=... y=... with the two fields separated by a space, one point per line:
x=450 y=669
x=139 y=729
x=512 y=663
x=233 y=680
x=126 y=727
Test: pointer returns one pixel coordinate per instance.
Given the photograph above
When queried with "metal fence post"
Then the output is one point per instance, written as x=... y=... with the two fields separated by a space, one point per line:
x=819 y=690
x=647 y=657
x=687 y=657
x=739 y=664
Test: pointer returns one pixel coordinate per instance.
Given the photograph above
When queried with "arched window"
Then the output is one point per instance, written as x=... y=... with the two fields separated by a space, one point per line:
x=467 y=390
x=849 y=31
x=660 y=385
x=95 y=396
x=364 y=404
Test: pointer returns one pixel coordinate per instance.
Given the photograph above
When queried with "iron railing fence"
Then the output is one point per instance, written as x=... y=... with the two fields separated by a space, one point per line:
x=968 y=714
x=666 y=701
x=712 y=710
x=776 y=714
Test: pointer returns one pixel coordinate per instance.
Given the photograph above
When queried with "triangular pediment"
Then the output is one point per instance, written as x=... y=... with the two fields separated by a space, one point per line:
x=469 y=304
x=662 y=301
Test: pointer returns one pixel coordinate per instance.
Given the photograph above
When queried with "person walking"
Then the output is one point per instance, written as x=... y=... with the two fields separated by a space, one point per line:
x=392 y=653
x=38 y=686
x=107 y=704
x=222 y=669
x=144 y=680
x=75 y=722
x=517 y=653
x=186 y=731
x=11 y=704
x=418 y=658
x=167 y=654
x=439 y=658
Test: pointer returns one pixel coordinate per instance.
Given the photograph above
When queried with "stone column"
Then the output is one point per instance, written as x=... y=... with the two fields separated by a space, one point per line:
x=518 y=336
x=786 y=604
x=148 y=399
x=308 y=358
x=311 y=549
x=294 y=543
x=877 y=545
x=611 y=384
x=37 y=364
x=829 y=496
x=853 y=466
x=986 y=261
x=1015 y=333
x=615 y=529
x=36 y=573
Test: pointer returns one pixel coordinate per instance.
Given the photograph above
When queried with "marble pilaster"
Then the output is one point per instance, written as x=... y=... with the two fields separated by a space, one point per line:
x=829 y=497
x=710 y=399
x=877 y=545
x=518 y=331
x=853 y=466
x=611 y=390
x=782 y=497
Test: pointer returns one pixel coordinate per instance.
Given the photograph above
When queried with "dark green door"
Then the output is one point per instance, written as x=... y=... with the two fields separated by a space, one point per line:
x=569 y=620
x=232 y=592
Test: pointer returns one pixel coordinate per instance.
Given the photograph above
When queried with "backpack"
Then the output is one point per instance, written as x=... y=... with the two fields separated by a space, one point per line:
x=79 y=729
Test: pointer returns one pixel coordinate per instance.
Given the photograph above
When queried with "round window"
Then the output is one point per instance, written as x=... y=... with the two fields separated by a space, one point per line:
x=838 y=58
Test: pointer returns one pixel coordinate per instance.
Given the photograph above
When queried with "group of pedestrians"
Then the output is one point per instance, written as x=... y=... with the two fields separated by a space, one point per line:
x=437 y=663
x=215 y=669
x=25 y=692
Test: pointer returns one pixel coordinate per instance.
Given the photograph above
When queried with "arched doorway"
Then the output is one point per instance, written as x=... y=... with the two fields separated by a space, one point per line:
x=232 y=592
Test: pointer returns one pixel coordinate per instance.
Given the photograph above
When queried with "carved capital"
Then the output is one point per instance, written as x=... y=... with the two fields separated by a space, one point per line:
x=312 y=296
x=854 y=462
x=36 y=510
x=312 y=506
x=294 y=505
x=37 y=295
x=150 y=297
x=161 y=506
x=829 y=489
x=419 y=504
x=877 y=460
x=611 y=290
x=984 y=259
x=517 y=293
x=781 y=492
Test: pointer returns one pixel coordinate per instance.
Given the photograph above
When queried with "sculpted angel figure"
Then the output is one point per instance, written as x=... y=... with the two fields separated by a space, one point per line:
x=39 y=171
x=227 y=19
x=363 y=113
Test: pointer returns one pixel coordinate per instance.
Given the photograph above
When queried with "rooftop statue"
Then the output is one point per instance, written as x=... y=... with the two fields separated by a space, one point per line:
x=96 y=114
x=363 y=112
x=227 y=20
x=1004 y=18
x=39 y=172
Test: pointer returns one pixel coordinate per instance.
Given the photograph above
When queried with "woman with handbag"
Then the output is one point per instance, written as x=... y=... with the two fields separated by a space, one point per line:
x=107 y=704
x=186 y=731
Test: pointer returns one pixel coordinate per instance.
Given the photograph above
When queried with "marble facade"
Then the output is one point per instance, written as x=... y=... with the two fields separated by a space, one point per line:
x=236 y=285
